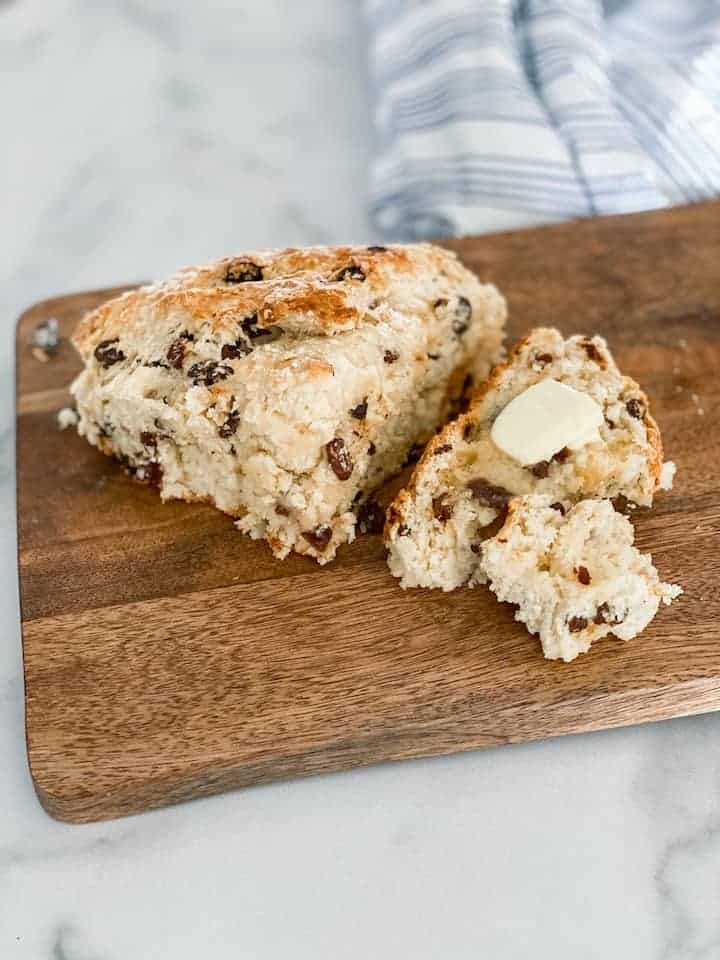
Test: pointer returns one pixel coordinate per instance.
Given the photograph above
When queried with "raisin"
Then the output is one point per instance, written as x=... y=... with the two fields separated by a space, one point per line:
x=352 y=272
x=243 y=271
x=476 y=547
x=543 y=359
x=319 y=537
x=635 y=408
x=559 y=507
x=208 y=372
x=403 y=530
x=442 y=510
x=561 y=456
x=376 y=249
x=489 y=494
x=621 y=504
x=148 y=439
x=281 y=511
x=444 y=448
x=603 y=615
x=371 y=449
x=176 y=352
x=106 y=353
x=390 y=356
x=339 y=458
x=270 y=334
x=231 y=351
x=576 y=624
x=462 y=316
x=253 y=331
x=583 y=575
x=594 y=354
x=360 y=411
x=229 y=428
x=414 y=454
x=371 y=517
x=540 y=469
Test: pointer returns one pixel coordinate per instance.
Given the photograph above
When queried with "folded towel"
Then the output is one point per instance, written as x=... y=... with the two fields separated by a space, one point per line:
x=494 y=114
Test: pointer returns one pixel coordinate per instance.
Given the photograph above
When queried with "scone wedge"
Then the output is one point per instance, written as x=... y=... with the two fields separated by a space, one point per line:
x=573 y=572
x=464 y=481
x=284 y=386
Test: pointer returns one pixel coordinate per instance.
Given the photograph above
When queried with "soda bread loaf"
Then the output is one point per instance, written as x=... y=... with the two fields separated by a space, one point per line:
x=285 y=385
x=573 y=572
x=463 y=482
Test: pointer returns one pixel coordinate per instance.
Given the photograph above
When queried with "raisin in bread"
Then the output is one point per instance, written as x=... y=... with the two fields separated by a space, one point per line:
x=575 y=575
x=463 y=481
x=283 y=386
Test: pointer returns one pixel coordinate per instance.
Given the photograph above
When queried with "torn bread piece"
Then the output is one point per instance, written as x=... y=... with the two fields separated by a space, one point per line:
x=284 y=386
x=573 y=572
x=558 y=418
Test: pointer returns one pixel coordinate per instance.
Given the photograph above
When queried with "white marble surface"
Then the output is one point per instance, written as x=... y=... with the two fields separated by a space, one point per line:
x=138 y=135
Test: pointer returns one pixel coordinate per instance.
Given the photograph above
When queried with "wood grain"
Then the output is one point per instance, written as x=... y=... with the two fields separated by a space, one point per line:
x=168 y=657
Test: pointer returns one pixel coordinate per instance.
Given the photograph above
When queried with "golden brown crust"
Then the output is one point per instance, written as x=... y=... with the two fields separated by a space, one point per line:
x=318 y=290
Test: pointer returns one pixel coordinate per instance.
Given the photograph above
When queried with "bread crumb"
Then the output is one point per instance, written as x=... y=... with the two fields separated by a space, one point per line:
x=667 y=475
x=683 y=343
x=67 y=417
x=45 y=340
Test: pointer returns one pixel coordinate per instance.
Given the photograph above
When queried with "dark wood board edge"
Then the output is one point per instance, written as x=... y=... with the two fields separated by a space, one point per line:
x=624 y=709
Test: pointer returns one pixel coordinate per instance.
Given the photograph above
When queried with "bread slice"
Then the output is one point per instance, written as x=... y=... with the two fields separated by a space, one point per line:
x=463 y=482
x=573 y=572
x=283 y=386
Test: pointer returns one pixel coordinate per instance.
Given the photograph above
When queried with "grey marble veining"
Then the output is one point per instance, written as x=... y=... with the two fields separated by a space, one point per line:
x=138 y=136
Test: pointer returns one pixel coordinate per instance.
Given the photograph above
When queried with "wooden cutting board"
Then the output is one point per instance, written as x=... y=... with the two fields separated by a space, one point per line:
x=169 y=657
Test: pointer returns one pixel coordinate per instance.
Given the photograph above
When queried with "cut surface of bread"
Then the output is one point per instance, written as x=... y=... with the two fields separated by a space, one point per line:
x=284 y=386
x=573 y=572
x=463 y=482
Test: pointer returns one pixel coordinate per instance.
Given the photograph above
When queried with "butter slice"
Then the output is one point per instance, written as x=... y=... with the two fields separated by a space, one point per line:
x=543 y=419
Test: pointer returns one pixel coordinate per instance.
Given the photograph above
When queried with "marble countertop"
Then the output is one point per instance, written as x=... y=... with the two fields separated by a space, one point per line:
x=138 y=136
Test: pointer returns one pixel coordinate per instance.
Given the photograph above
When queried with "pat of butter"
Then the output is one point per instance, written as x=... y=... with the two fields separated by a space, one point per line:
x=543 y=419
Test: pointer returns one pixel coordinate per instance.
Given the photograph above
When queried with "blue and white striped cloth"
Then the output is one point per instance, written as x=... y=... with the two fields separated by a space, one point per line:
x=493 y=114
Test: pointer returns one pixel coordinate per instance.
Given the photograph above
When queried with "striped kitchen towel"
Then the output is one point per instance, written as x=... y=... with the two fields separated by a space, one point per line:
x=493 y=114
